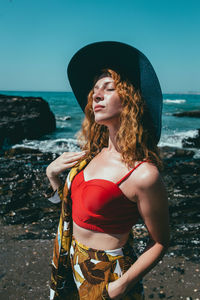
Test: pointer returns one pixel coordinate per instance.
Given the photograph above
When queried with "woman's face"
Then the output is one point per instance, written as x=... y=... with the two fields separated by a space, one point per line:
x=106 y=102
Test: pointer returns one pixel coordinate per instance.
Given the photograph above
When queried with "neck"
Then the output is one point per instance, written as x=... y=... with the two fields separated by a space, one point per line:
x=112 y=145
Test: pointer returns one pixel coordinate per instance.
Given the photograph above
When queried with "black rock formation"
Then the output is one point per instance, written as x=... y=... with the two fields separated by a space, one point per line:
x=191 y=114
x=24 y=117
x=192 y=142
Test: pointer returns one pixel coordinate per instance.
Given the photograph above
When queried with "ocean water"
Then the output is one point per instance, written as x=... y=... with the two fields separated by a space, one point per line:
x=69 y=118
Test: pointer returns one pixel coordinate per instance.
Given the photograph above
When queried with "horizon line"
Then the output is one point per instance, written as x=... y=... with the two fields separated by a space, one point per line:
x=70 y=91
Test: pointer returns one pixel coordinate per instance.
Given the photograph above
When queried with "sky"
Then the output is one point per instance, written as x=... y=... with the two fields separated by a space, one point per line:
x=39 y=37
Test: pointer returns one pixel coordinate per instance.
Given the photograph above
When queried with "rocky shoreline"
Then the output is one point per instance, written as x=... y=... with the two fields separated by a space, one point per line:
x=23 y=183
x=29 y=222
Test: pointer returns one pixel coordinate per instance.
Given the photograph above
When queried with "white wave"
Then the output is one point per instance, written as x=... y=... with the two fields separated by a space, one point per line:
x=55 y=146
x=176 y=101
x=175 y=139
x=64 y=118
x=70 y=145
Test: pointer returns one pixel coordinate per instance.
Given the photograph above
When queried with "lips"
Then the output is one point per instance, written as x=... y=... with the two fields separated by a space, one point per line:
x=98 y=107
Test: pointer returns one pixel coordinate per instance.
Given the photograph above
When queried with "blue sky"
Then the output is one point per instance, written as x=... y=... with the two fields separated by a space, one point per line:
x=38 y=38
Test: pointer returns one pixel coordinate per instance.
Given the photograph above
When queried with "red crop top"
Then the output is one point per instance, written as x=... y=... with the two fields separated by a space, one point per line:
x=100 y=205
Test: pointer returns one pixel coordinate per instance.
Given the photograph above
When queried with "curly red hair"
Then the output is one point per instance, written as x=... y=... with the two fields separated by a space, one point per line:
x=135 y=137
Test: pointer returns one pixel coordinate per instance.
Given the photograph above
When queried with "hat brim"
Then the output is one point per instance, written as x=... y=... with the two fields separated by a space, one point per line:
x=132 y=64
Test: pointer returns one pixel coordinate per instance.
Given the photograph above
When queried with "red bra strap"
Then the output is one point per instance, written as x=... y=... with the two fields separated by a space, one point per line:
x=129 y=173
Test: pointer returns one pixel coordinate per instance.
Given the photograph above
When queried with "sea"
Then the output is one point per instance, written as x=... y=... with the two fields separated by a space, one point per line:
x=69 y=118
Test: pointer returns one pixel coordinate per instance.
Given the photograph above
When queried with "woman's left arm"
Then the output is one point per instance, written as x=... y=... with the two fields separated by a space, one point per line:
x=153 y=207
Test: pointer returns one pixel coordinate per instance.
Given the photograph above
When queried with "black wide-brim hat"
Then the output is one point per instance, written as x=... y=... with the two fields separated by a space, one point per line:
x=129 y=62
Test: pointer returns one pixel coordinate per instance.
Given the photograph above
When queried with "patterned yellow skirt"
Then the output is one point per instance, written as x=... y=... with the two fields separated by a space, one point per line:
x=94 y=269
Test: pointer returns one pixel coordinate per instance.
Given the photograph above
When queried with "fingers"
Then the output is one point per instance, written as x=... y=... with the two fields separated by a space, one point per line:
x=63 y=162
x=69 y=165
x=70 y=157
x=69 y=154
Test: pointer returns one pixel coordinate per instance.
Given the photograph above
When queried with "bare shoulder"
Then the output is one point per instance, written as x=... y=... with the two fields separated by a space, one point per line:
x=150 y=189
x=147 y=176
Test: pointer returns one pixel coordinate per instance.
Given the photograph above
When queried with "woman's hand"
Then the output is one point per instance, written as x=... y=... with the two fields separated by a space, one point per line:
x=116 y=289
x=63 y=162
x=60 y=164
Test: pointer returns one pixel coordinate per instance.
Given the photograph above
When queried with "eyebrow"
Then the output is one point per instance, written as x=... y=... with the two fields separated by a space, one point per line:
x=105 y=84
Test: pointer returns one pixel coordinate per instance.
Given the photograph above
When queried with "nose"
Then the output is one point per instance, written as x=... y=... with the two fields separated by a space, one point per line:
x=98 y=95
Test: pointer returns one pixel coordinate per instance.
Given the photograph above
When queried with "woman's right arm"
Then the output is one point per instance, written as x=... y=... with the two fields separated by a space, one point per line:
x=63 y=162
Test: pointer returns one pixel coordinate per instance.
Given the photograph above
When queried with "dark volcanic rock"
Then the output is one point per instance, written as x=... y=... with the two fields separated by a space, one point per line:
x=192 y=142
x=191 y=114
x=169 y=153
x=23 y=182
x=24 y=117
x=182 y=180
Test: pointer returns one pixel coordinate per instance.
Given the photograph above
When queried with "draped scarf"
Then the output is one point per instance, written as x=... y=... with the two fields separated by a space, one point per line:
x=62 y=285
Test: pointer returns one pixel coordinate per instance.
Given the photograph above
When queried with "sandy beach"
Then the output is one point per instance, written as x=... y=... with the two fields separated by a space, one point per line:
x=25 y=271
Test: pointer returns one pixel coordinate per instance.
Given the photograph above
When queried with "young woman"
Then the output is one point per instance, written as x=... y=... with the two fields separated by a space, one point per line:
x=115 y=179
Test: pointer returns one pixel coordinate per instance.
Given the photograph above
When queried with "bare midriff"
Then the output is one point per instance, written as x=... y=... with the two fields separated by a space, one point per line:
x=99 y=240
